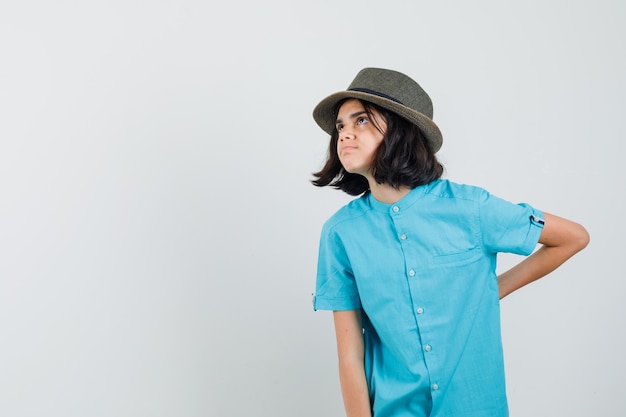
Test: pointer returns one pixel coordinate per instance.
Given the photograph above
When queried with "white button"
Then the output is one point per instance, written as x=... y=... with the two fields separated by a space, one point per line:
x=395 y=209
x=403 y=236
x=435 y=387
x=427 y=348
x=411 y=273
x=420 y=310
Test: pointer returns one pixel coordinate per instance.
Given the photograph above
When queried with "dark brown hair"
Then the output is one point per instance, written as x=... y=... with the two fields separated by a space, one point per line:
x=402 y=159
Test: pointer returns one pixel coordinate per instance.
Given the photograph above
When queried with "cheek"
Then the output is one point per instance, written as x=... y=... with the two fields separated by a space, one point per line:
x=376 y=144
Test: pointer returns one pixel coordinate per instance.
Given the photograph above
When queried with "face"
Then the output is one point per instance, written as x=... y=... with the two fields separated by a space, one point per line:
x=358 y=137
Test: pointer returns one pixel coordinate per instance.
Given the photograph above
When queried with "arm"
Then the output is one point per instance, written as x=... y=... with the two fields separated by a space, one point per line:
x=350 y=349
x=561 y=239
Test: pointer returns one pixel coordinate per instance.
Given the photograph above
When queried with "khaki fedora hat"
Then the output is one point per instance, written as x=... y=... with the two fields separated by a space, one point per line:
x=390 y=90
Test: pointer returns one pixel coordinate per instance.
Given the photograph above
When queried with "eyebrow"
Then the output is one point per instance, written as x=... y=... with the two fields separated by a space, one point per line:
x=352 y=116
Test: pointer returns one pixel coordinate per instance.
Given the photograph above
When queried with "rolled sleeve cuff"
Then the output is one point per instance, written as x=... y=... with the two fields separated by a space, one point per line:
x=534 y=231
x=321 y=302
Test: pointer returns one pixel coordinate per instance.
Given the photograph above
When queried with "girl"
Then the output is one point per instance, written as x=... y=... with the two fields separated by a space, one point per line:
x=408 y=268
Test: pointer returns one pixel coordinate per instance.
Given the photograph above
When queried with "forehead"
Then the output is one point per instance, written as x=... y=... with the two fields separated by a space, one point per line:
x=350 y=106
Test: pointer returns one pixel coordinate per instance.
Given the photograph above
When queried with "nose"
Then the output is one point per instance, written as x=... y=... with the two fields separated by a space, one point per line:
x=346 y=134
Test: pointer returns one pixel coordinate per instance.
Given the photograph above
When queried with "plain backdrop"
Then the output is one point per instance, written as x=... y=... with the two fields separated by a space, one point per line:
x=158 y=231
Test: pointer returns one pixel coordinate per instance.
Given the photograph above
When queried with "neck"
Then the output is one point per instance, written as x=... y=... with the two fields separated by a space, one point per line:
x=387 y=194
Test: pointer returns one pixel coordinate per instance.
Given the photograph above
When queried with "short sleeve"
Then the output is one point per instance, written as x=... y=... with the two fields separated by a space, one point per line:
x=509 y=227
x=335 y=286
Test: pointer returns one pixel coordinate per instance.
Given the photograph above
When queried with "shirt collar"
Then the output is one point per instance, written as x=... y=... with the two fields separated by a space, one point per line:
x=403 y=204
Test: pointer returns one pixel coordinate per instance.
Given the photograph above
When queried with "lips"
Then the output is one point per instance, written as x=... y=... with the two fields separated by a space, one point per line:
x=347 y=148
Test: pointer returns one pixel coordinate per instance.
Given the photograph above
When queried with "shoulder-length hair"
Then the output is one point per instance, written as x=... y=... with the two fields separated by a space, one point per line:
x=402 y=159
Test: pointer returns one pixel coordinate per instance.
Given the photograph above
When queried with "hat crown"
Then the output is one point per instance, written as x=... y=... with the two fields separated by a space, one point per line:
x=395 y=86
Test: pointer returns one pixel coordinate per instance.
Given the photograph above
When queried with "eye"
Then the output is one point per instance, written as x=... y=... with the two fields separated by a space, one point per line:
x=339 y=128
x=361 y=120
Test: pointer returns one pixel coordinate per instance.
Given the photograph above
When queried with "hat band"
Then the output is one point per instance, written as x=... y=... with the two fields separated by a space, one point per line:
x=376 y=93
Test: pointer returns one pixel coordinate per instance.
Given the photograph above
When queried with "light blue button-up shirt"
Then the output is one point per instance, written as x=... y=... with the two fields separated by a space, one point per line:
x=422 y=271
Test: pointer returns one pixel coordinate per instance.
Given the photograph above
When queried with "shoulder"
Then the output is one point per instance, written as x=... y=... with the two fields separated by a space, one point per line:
x=352 y=211
x=446 y=189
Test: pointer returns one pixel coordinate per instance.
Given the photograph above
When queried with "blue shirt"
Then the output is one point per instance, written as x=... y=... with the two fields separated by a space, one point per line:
x=423 y=273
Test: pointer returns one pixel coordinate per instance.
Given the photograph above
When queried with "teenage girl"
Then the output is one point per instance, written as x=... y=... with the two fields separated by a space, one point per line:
x=408 y=267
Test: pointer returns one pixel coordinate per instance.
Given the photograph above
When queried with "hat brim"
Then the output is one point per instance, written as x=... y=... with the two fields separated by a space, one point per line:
x=324 y=115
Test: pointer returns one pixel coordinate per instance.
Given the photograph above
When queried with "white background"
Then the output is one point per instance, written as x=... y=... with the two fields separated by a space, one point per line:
x=158 y=232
